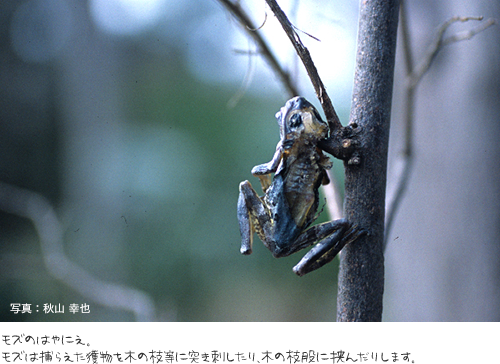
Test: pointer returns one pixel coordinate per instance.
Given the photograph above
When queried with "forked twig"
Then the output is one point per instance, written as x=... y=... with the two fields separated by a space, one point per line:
x=404 y=163
x=440 y=41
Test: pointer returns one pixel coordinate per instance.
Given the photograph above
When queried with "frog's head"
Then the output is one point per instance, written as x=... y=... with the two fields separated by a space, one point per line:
x=299 y=119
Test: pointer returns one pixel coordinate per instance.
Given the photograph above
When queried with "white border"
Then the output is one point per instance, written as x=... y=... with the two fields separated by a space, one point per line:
x=434 y=342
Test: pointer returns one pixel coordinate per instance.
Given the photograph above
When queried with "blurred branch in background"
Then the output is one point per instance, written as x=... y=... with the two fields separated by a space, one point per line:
x=403 y=165
x=252 y=30
x=245 y=84
x=36 y=208
x=440 y=41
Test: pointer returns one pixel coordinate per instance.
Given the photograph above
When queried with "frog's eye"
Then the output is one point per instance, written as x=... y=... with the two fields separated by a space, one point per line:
x=295 y=120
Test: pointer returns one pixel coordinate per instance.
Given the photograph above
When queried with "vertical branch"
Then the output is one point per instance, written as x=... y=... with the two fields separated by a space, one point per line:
x=404 y=162
x=361 y=276
x=414 y=74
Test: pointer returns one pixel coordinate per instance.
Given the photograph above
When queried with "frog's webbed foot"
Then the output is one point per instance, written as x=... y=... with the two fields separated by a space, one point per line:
x=328 y=246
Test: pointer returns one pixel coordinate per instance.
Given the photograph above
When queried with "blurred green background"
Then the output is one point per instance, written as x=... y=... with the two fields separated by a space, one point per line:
x=141 y=159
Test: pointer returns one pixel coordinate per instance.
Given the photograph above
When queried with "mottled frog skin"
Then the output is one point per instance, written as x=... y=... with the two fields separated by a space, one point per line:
x=282 y=217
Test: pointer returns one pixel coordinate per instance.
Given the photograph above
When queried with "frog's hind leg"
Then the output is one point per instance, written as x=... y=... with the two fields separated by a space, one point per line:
x=332 y=237
x=253 y=216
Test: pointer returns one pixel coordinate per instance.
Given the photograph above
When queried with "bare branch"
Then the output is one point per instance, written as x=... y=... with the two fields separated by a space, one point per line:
x=36 y=208
x=468 y=34
x=305 y=56
x=404 y=164
x=361 y=272
x=252 y=30
x=439 y=42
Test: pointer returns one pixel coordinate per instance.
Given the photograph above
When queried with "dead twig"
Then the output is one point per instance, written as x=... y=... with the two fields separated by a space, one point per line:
x=303 y=53
x=440 y=41
x=404 y=163
x=252 y=30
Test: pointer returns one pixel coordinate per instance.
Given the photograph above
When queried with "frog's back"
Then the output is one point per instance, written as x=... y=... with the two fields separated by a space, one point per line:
x=298 y=181
x=304 y=176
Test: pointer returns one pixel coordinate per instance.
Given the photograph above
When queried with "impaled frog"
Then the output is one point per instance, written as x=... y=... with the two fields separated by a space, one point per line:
x=282 y=217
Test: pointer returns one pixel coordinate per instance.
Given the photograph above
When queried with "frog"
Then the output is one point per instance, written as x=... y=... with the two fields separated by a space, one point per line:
x=283 y=216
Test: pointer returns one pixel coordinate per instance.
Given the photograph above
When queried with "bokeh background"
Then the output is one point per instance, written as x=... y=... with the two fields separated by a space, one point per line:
x=136 y=121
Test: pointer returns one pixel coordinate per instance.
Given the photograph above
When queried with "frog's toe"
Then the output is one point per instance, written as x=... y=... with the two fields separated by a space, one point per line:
x=246 y=250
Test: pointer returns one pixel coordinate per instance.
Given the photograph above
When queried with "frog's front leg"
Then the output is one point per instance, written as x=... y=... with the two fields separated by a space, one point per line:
x=263 y=171
x=253 y=216
x=331 y=236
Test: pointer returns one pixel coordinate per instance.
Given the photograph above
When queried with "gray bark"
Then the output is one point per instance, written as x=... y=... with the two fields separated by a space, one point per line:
x=361 y=276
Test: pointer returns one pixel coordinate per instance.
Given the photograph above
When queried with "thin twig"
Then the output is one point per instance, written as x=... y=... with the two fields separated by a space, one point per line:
x=260 y=27
x=440 y=41
x=233 y=101
x=468 y=34
x=252 y=30
x=36 y=208
x=404 y=163
x=305 y=56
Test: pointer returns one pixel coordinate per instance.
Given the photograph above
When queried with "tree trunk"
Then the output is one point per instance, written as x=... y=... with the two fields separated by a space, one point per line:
x=361 y=276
